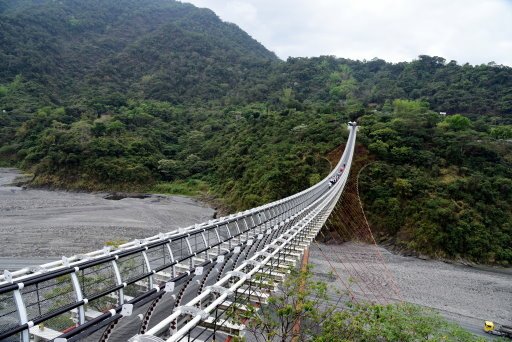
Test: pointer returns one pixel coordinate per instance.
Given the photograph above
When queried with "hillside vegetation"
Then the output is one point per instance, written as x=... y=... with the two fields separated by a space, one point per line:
x=163 y=96
x=441 y=186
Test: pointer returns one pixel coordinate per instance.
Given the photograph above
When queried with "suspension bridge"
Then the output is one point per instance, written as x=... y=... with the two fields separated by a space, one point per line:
x=175 y=286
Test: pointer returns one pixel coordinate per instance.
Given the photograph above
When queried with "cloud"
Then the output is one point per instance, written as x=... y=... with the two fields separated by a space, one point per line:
x=473 y=31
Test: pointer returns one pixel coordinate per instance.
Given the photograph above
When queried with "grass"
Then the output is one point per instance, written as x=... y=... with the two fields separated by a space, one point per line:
x=115 y=243
x=6 y=163
x=191 y=187
x=449 y=175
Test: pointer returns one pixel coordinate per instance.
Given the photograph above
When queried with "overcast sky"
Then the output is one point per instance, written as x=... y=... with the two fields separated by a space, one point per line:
x=474 y=31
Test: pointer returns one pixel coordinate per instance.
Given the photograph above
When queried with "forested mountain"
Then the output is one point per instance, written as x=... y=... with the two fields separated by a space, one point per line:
x=108 y=51
x=447 y=86
x=442 y=186
x=158 y=95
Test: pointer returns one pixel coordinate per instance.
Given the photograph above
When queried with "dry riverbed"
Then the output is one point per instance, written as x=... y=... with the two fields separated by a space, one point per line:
x=464 y=294
x=42 y=224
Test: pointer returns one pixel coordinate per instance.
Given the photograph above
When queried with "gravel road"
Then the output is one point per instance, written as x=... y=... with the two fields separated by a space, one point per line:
x=44 y=224
x=464 y=294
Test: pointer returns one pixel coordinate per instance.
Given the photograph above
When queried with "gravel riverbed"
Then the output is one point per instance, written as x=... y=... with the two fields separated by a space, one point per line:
x=43 y=224
x=464 y=294
x=37 y=226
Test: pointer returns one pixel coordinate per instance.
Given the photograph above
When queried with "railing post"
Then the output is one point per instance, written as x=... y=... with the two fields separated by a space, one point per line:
x=79 y=297
x=219 y=246
x=192 y=263
x=146 y=261
x=238 y=227
x=171 y=256
x=22 y=313
x=205 y=246
x=119 y=281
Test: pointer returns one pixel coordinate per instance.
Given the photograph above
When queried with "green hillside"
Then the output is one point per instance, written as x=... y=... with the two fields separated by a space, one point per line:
x=108 y=51
x=158 y=95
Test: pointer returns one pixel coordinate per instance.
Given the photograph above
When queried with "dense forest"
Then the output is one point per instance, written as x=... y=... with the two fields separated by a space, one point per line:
x=162 y=96
x=442 y=186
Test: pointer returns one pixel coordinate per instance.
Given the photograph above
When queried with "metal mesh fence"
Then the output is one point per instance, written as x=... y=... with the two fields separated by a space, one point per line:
x=223 y=232
x=48 y=296
x=136 y=289
x=8 y=315
x=196 y=242
x=132 y=266
x=179 y=249
x=96 y=279
x=96 y=307
x=62 y=322
x=232 y=228
x=211 y=237
x=13 y=338
x=158 y=256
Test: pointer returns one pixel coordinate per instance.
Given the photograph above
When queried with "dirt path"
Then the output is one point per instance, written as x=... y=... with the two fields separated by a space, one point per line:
x=42 y=223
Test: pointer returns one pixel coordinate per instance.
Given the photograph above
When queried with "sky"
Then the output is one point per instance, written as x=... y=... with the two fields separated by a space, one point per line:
x=473 y=31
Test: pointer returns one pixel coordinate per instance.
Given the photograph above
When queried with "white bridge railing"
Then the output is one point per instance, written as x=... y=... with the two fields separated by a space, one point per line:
x=172 y=285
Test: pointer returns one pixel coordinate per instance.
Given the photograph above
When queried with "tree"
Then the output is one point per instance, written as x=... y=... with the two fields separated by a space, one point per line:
x=502 y=132
x=393 y=322
x=380 y=148
x=298 y=300
x=171 y=169
x=455 y=122
x=408 y=108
